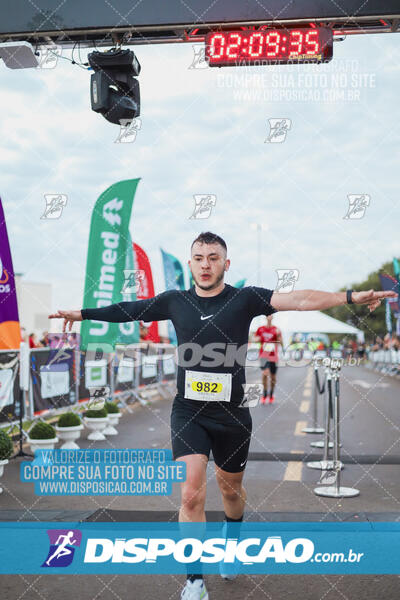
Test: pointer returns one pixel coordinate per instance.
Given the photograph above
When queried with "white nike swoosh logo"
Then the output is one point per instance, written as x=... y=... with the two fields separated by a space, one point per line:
x=202 y=318
x=243 y=463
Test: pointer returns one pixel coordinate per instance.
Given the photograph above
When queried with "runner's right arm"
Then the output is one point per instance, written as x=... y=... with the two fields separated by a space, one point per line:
x=150 y=309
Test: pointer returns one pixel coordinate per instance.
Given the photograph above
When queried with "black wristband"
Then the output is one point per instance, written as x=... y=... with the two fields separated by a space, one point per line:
x=348 y=296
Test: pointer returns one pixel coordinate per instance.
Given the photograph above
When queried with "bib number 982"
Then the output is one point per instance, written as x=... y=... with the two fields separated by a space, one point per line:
x=207 y=386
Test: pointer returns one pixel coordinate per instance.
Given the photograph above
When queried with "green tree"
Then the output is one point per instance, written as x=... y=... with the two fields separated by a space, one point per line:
x=372 y=324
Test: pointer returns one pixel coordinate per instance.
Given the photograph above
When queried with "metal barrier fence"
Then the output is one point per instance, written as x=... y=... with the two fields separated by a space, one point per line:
x=62 y=378
x=384 y=361
x=9 y=386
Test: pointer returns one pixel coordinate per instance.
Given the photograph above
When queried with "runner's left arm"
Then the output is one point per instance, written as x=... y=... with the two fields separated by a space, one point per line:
x=319 y=300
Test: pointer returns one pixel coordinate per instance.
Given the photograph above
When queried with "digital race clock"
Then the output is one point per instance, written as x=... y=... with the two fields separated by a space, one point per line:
x=269 y=46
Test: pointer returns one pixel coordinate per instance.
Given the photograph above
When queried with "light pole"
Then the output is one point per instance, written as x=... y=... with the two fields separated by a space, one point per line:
x=260 y=227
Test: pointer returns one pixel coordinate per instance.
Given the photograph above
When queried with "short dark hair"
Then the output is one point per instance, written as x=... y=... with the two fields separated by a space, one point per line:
x=206 y=237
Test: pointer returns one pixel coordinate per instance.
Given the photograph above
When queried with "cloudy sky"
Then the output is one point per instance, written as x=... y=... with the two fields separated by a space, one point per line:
x=204 y=131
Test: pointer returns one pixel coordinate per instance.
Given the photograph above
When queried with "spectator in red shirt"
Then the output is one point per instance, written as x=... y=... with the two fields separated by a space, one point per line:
x=32 y=341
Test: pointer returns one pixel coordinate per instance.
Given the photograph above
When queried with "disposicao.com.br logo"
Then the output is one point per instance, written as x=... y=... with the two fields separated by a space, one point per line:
x=157 y=547
x=62 y=547
x=249 y=551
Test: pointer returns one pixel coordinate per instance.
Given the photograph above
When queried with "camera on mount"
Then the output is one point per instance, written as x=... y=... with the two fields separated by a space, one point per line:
x=114 y=91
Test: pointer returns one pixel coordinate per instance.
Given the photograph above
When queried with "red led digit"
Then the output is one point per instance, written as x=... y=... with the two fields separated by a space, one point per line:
x=268 y=46
x=296 y=40
x=312 y=44
x=274 y=51
x=232 y=50
x=217 y=46
x=258 y=40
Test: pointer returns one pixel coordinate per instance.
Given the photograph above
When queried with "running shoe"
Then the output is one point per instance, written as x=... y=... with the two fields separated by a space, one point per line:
x=263 y=399
x=194 y=590
x=271 y=399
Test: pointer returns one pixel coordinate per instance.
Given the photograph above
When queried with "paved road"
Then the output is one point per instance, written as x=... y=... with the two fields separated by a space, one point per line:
x=278 y=483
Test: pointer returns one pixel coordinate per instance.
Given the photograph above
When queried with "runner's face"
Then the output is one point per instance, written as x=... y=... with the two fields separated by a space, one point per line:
x=210 y=260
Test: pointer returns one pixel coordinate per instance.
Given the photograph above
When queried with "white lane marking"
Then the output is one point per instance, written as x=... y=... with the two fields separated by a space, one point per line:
x=305 y=406
x=293 y=471
x=299 y=426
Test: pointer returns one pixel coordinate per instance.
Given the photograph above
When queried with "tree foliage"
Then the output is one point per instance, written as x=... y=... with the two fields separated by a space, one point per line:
x=372 y=324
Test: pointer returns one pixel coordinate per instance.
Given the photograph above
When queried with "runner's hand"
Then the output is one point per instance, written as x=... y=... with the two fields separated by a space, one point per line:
x=69 y=316
x=372 y=298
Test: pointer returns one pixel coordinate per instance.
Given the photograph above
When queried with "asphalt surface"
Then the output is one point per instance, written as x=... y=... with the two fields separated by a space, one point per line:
x=280 y=487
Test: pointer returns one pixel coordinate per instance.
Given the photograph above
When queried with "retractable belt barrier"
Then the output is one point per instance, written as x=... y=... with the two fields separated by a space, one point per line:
x=317 y=389
x=332 y=470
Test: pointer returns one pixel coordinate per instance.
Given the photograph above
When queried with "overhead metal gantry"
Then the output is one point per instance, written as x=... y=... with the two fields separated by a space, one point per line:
x=97 y=23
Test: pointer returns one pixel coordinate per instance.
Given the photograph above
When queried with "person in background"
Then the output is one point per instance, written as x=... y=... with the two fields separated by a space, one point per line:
x=45 y=339
x=24 y=335
x=361 y=349
x=269 y=337
x=33 y=341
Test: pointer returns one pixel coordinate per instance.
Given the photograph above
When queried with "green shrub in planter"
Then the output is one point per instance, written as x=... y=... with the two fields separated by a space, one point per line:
x=96 y=414
x=111 y=407
x=6 y=445
x=69 y=419
x=42 y=431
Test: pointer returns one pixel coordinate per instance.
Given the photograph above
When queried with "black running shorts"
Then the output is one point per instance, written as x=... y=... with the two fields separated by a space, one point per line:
x=198 y=427
x=268 y=364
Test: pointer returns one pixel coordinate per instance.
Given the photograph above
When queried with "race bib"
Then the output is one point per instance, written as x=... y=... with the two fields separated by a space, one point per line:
x=208 y=386
x=269 y=347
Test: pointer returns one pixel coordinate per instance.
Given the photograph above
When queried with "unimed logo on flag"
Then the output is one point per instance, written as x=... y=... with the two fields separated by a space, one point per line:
x=62 y=547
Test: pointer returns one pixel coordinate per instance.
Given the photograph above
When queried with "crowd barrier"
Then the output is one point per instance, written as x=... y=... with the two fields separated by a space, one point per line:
x=9 y=386
x=61 y=379
x=384 y=361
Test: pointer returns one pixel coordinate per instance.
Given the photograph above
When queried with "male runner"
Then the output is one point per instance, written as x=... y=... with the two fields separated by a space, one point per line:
x=270 y=336
x=206 y=413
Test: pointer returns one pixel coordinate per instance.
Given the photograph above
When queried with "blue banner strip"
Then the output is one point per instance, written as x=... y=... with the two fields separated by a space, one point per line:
x=170 y=548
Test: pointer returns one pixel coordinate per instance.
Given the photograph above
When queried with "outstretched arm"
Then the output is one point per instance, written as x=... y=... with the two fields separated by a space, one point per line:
x=150 y=309
x=69 y=316
x=318 y=300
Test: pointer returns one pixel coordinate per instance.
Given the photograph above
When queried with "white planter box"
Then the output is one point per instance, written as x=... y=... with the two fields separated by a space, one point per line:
x=69 y=435
x=113 y=420
x=97 y=425
x=42 y=444
x=2 y=463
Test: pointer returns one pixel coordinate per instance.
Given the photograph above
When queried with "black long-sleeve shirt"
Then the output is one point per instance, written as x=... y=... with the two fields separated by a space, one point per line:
x=221 y=319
